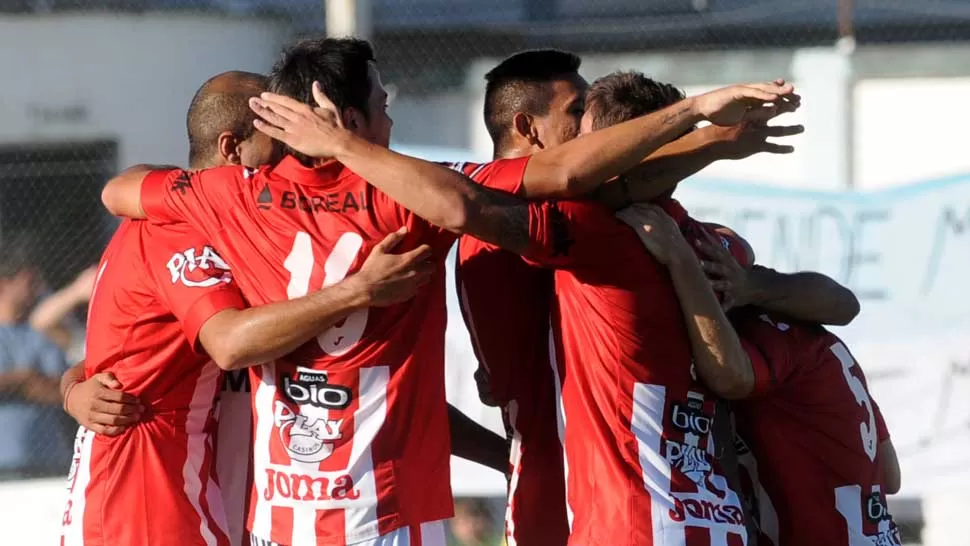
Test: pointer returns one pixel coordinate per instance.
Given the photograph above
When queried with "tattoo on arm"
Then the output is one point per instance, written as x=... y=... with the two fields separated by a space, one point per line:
x=672 y=118
x=504 y=219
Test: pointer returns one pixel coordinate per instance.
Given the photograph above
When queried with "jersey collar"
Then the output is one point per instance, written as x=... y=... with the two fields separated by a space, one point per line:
x=327 y=174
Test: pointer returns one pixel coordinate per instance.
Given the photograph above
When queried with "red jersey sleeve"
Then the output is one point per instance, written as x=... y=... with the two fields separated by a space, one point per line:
x=183 y=196
x=502 y=174
x=192 y=280
x=768 y=347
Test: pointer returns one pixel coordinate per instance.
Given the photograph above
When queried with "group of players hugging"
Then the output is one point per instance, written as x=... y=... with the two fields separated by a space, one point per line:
x=265 y=360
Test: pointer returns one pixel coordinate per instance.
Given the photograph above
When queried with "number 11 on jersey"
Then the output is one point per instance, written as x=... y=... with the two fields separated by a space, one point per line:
x=342 y=337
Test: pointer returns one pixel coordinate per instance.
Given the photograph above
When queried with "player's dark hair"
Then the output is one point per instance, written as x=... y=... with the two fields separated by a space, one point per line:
x=221 y=104
x=622 y=96
x=17 y=254
x=516 y=85
x=339 y=64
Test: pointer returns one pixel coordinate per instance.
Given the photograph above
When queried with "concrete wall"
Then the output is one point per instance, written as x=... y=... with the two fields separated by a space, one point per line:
x=129 y=78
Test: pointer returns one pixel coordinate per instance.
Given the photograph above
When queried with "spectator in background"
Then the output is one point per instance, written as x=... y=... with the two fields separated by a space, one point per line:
x=36 y=440
x=54 y=314
x=474 y=525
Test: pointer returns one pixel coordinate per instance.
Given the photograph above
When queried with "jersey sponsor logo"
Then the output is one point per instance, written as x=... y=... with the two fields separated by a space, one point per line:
x=312 y=388
x=308 y=434
x=303 y=487
x=691 y=461
x=706 y=510
x=690 y=418
x=198 y=269
x=332 y=202
x=876 y=510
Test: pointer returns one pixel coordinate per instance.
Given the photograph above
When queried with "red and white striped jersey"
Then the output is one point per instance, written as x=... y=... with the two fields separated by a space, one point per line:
x=234 y=449
x=153 y=484
x=351 y=430
x=810 y=435
x=640 y=457
x=506 y=306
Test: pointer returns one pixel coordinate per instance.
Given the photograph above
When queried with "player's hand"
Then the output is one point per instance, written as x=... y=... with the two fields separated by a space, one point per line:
x=389 y=279
x=751 y=136
x=732 y=105
x=658 y=232
x=727 y=276
x=317 y=132
x=98 y=404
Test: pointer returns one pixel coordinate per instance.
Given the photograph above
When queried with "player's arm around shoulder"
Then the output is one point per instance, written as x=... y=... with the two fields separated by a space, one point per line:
x=805 y=295
x=240 y=338
x=122 y=194
x=719 y=355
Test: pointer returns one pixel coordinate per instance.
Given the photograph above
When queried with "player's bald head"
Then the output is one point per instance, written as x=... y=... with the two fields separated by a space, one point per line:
x=220 y=105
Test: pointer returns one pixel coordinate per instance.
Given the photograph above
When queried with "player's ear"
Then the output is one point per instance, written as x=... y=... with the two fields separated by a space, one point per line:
x=228 y=145
x=353 y=119
x=523 y=125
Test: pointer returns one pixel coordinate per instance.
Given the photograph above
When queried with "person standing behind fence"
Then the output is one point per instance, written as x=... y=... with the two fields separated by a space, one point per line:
x=36 y=442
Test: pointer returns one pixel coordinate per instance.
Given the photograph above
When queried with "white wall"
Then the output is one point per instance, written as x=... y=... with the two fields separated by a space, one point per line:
x=127 y=77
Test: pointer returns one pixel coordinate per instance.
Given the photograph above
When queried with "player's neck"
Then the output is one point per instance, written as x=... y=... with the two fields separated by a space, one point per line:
x=512 y=152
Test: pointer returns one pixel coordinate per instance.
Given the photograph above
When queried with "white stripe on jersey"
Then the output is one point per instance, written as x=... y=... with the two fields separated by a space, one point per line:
x=199 y=411
x=72 y=529
x=477 y=170
x=560 y=418
x=647 y=425
x=368 y=421
x=262 y=523
x=515 y=458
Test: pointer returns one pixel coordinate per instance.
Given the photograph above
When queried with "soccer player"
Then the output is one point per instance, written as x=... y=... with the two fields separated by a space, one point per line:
x=816 y=454
x=164 y=305
x=220 y=133
x=350 y=438
x=534 y=100
x=806 y=415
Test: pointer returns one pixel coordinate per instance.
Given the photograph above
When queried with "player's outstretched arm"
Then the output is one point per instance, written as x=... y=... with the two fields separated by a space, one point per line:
x=578 y=167
x=720 y=358
x=806 y=295
x=475 y=443
x=98 y=404
x=237 y=338
x=442 y=196
x=690 y=154
x=122 y=194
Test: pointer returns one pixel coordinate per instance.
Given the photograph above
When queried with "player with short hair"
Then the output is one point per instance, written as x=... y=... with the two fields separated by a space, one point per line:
x=164 y=305
x=787 y=375
x=534 y=101
x=338 y=458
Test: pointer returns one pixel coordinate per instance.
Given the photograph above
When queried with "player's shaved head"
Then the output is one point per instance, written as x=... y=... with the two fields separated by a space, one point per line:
x=622 y=96
x=520 y=83
x=220 y=105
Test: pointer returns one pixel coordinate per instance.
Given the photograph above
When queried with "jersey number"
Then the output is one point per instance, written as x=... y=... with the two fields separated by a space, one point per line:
x=867 y=429
x=340 y=338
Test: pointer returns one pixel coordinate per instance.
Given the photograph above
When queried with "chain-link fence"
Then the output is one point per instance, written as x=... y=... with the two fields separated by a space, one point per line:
x=93 y=86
